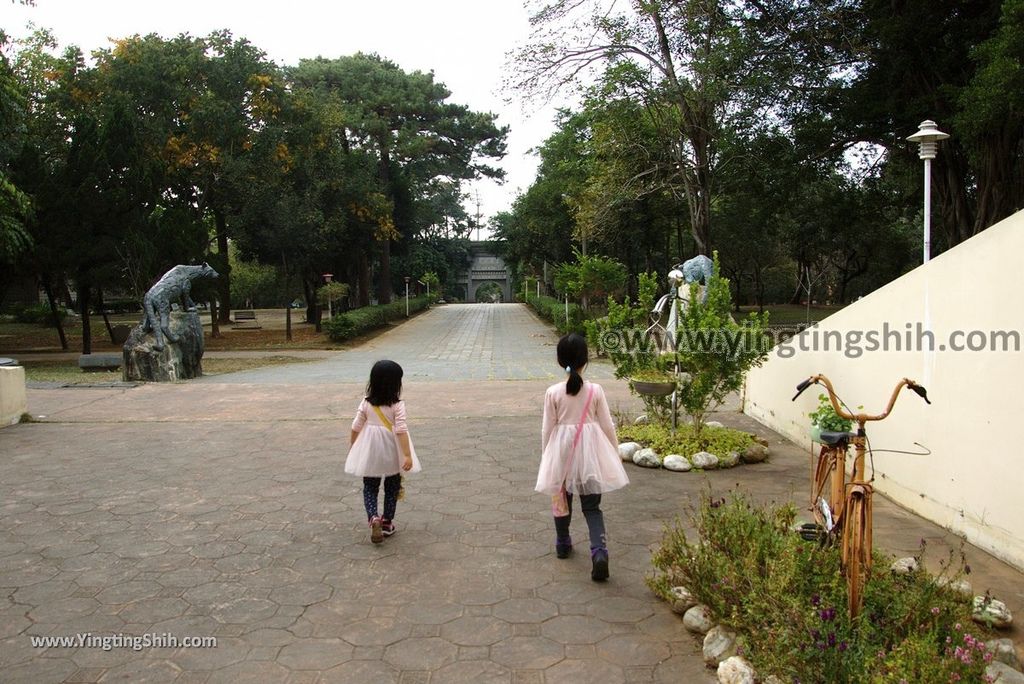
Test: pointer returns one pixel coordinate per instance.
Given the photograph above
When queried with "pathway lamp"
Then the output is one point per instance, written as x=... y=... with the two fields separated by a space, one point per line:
x=327 y=279
x=406 y=296
x=927 y=137
x=426 y=285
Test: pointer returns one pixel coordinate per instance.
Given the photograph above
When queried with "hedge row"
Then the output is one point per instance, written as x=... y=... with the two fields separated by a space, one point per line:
x=553 y=310
x=356 y=322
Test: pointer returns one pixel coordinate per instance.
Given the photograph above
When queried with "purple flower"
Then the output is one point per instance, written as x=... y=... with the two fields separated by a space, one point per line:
x=815 y=600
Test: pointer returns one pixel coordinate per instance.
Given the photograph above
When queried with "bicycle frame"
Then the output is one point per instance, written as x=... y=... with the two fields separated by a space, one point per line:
x=854 y=521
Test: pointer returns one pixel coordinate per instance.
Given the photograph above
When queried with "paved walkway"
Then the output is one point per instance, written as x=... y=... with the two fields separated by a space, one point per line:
x=220 y=509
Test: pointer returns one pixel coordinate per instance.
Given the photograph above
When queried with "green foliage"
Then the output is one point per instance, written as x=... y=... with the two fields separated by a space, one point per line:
x=826 y=418
x=714 y=352
x=590 y=277
x=553 y=311
x=787 y=600
x=254 y=284
x=685 y=441
x=38 y=314
x=433 y=283
x=359 y=321
x=332 y=292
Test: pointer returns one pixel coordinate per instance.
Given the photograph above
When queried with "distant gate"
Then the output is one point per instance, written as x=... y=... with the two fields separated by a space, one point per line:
x=485 y=266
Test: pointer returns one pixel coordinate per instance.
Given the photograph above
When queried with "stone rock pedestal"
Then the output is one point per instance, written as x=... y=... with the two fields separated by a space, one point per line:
x=179 y=360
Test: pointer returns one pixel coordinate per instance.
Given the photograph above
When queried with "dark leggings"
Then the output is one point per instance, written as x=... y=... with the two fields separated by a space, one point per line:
x=371 y=486
x=591 y=504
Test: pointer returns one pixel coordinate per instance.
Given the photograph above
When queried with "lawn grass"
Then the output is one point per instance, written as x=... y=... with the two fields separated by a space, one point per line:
x=68 y=372
x=791 y=314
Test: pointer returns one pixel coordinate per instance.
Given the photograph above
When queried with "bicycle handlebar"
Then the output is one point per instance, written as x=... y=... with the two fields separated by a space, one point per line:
x=861 y=418
x=801 y=387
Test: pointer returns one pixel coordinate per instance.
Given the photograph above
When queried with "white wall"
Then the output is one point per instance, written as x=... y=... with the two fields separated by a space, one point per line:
x=12 y=394
x=973 y=481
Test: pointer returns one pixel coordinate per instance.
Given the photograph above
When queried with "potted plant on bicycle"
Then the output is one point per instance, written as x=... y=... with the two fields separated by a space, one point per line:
x=825 y=419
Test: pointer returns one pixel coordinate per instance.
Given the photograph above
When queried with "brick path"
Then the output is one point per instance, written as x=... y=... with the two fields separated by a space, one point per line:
x=219 y=508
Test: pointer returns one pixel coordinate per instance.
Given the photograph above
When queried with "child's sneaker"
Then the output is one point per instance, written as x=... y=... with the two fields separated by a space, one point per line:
x=563 y=547
x=387 y=527
x=599 y=560
x=376 y=532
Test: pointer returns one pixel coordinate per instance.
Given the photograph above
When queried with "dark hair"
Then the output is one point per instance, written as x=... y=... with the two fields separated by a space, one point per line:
x=572 y=354
x=385 y=385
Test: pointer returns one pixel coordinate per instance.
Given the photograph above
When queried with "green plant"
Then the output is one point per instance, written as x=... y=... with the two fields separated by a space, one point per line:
x=685 y=441
x=590 y=277
x=553 y=310
x=786 y=599
x=826 y=418
x=39 y=314
x=364 y=319
x=713 y=350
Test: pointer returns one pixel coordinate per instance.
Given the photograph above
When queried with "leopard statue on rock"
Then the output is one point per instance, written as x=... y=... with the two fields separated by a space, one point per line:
x=175 y=286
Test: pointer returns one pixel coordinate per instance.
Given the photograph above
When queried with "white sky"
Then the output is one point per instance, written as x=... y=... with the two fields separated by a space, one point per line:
x=464 y=42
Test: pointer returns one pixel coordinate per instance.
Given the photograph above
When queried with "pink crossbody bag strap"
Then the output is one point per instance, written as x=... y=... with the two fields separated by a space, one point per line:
x=579 y=431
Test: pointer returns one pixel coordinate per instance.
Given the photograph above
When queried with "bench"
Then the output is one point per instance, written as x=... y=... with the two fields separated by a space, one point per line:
x=94 y=363
x=245 y=319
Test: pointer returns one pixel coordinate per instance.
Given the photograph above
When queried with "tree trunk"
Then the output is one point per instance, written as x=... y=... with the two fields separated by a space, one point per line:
x=48 y=288
x=103 y=312
x=309 y=292
x=288 y=303
x=214 y=323
x=363 y=285
x=384 y=277
x=83 y=310
x=224 y=282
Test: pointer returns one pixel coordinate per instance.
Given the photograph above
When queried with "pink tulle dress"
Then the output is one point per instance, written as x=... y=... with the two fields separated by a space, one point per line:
x=594 y=466
x=376 y=452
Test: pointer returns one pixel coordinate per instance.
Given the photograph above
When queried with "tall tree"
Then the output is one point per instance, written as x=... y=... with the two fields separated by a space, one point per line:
x=405 y=119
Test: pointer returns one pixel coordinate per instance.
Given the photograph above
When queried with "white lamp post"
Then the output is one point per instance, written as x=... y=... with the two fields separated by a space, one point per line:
x=327 y=279
x=406 y=296
x=928 y=137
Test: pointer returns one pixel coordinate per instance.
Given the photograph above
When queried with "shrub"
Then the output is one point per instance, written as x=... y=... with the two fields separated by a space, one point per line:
x=359 y=321
x=553 y=310
x=719 y=441
x=786 y=599
x=39 y=314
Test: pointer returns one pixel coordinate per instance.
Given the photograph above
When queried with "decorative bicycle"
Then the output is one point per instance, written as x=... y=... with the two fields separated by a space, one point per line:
x=847 y=513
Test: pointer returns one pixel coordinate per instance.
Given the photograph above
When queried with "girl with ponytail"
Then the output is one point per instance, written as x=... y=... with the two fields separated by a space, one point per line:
x=579 y=453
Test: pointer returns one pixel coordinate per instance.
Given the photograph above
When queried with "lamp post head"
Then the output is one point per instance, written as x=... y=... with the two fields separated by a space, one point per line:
x=928 y=136
x=327 y=277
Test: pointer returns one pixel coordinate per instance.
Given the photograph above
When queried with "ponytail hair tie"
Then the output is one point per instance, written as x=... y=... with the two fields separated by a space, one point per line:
x=568 y=369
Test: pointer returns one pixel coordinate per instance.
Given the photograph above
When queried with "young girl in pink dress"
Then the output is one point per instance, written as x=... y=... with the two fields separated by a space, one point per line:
x=380 y=446
x=580 y=453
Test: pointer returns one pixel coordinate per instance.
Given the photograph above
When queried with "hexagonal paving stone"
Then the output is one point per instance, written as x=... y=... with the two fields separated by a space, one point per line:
x=587 y=671
x=187 y=577
x=244 y=610
x=243 y=562
x=69 y=549
x=228 y=652
x=430 y=612
x=575 y=629
x=42 y=670
x=630 y=650
x=125 y=592
x=301 y=594
x=336 y=612
x=150 y=671
x=62 y=610
x=480 y=593
x=217 y=549
x=620 y=609
x=213 y=593
x=250 y=672
x=368 y=671
x=525 y=610
x=476 y=631
x=527 y=653
x=428 y=653
x=148 y=611
x=375 y=632
x=315 y=654
x=478 y=672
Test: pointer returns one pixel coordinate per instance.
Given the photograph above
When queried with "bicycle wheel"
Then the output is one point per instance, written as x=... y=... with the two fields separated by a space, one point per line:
x=857 y=548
